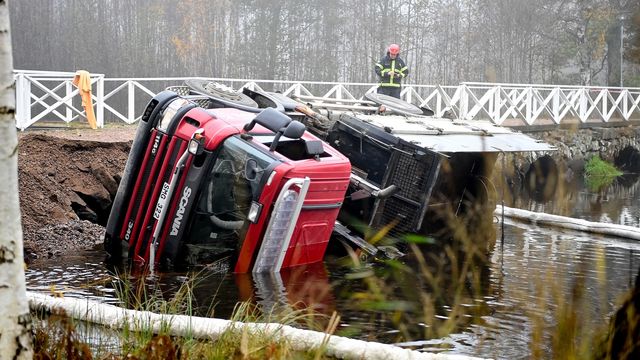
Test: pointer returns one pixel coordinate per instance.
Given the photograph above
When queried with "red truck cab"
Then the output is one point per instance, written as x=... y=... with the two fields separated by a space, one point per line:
x=208 y=185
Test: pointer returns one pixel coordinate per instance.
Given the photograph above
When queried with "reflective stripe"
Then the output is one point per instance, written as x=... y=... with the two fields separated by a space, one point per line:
x=393 y=81
x=393 y=68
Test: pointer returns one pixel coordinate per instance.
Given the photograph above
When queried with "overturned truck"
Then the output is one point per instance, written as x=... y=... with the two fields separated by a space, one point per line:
x=217 y=174
x=205 y=184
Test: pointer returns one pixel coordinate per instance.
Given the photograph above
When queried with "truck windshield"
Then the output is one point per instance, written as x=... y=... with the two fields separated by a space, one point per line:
x=220 y=218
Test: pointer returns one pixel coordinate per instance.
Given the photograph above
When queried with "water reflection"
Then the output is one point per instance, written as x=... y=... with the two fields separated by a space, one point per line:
x=77 y=275
x=616 y=203
x=302 y=288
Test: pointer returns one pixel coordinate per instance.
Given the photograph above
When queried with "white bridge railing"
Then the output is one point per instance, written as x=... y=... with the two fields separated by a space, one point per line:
x=50 y=96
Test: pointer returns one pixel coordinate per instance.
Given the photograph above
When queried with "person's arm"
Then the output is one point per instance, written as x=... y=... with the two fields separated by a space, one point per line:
x=379 y=68
x=404 y=70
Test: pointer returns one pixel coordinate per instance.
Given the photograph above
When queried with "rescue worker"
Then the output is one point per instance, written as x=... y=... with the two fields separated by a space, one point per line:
x=391 y=70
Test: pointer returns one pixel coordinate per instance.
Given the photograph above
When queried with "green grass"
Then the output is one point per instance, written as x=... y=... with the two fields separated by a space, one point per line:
x=599 y=173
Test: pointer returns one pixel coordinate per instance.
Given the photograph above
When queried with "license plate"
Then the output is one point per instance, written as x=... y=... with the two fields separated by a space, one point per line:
x=162 y=201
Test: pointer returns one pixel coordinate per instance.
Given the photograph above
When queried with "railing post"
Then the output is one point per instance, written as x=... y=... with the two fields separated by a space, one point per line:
x=19 y=106
x=464 y=102
x=555 y=105
x=409 y=92
x=626 y=111
x=494 y=105
x=68 y=114
x=131 y=105
x=100 y=102
x=605 y=105
x=529 y=106
x=583 y=104
x=23 y=101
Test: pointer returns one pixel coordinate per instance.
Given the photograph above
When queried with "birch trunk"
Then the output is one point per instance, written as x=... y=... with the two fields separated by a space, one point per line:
x=15 y=320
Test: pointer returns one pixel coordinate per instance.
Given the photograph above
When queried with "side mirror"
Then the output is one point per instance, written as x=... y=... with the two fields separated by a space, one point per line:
x=294 y=130
x=271 y=119
x=314 y=147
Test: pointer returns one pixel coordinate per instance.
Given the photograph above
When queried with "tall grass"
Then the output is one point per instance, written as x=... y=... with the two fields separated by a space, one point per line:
x=437 y=290
x=57 y=336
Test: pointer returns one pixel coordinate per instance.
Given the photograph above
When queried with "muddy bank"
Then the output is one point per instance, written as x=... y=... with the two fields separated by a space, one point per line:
x=67 y=181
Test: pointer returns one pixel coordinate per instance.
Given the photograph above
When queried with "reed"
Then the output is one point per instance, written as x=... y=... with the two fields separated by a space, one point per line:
x=57 y=336
x=442 y=278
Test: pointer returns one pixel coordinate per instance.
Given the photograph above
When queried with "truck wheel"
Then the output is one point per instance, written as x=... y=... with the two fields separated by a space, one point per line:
x=219 y=91
x=394 y=104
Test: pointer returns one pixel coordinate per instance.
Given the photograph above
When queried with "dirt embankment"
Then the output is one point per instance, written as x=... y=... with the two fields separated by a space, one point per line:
x=67 y=180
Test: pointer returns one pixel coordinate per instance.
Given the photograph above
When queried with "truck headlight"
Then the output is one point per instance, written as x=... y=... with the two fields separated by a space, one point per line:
x=277 y=238
x=195 y=147
x=169 y=113
x=195 y=144
x=254 y=212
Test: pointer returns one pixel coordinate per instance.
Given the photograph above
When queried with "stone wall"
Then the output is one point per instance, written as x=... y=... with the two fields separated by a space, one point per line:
x=582 y=144
x=575 y=146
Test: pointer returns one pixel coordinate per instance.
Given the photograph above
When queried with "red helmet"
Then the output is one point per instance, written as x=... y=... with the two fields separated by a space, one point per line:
x=394 y=49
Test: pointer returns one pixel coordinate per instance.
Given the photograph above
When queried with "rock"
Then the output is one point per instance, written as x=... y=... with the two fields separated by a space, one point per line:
x=83 y=167
x=62 y=238
x=95 y=195
x=59 y=214
x=103 y=176
x=84 y=212
x=74 y=198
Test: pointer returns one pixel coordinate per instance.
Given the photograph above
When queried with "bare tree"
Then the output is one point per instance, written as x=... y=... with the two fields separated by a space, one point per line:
x=15 y=320
x=443 y=41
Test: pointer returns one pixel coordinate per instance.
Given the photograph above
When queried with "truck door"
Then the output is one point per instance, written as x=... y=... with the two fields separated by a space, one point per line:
x=219 y=220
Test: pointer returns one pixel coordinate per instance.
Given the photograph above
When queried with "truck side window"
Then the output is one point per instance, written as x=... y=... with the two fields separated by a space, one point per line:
x=219 y=223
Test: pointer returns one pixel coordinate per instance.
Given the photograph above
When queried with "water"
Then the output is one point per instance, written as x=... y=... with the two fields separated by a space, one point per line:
x=517 y=284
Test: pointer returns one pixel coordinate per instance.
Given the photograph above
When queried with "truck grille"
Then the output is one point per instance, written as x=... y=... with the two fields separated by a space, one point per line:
x=151 y=177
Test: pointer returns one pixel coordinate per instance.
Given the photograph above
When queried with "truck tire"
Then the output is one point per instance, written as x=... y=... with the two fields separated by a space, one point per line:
x=394 y=104
x=221 y=93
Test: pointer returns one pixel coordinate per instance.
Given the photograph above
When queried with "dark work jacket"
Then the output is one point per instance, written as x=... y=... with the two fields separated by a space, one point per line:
x=386 y=65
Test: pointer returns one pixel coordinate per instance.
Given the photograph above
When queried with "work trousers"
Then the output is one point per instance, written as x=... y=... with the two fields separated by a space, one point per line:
x=389 y=90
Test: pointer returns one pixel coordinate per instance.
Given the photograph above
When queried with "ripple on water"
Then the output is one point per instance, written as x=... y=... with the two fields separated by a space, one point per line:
x=76 y=278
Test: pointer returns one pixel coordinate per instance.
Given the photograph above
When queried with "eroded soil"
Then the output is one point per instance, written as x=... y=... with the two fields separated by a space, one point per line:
x=67 y=180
